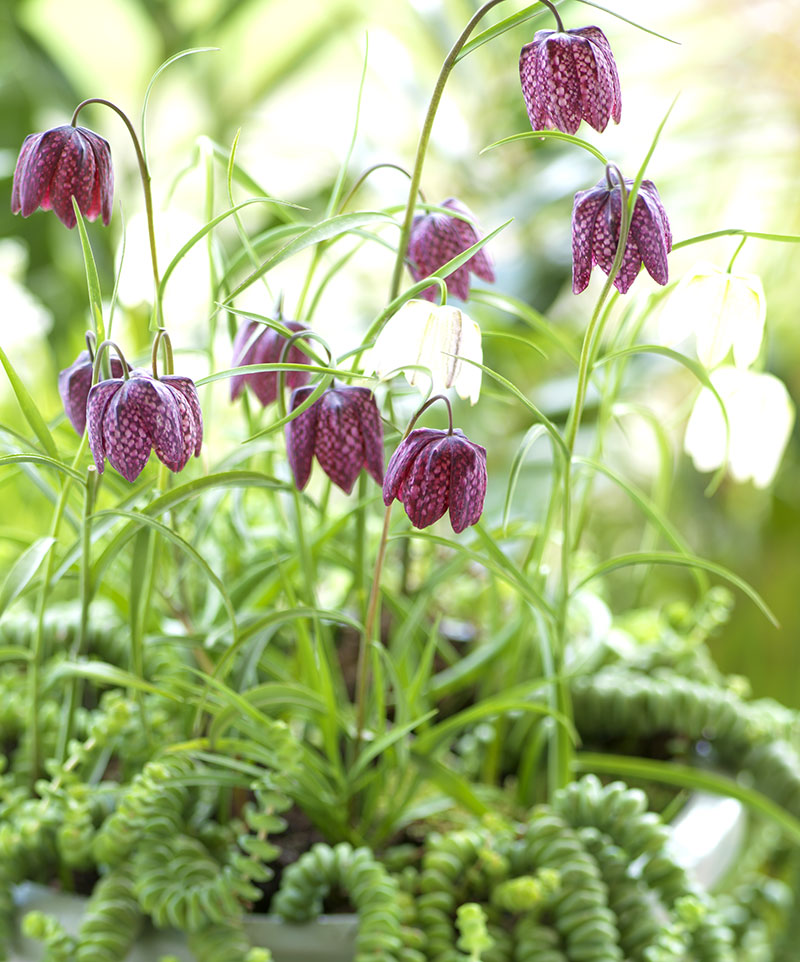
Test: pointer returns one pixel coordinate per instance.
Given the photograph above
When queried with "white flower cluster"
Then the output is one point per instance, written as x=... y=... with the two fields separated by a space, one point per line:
x=726 y=313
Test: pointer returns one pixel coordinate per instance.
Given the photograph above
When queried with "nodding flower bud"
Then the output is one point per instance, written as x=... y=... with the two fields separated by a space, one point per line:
x=74 y=383
x=438 y=238
x=266 y=348
x=432 y=471
x=569 y=76
x=596 y=217
x=342 y=428
x=60 y=164
x=130 y=418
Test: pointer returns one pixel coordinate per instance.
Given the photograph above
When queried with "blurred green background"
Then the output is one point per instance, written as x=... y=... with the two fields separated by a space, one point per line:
x=287 y=74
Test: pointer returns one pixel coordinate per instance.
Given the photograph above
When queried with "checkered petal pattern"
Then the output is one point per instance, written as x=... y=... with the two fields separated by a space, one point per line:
x=432 y=471
x=568 y=77
x=438 y=238
x=74 y=383
x=596 y=216
x=127 y=419
x=251 y=347
x=343 y=429
x=59 y=164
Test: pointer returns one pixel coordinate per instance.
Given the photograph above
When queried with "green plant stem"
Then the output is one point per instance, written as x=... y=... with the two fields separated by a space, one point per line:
x=148 y=197
x=424 y=138
x=85 y=590
x=37 y=655
x=373 y=610
x=551 y=7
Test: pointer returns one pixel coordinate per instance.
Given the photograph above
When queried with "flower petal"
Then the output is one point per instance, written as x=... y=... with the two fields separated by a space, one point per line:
x=96 y=403
x=403 y=458
x=649 y=233
x=74 y=176
x=40 y=165
x=340 y=445
x=301 y=433
x=192 y=418
x=559 y=85
x=585 y=210
x=425 y=492
x=467 y=482
x=371 y=431
x=127 y=440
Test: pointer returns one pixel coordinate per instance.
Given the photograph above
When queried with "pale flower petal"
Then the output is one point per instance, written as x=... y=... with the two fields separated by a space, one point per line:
x=422 y=338
x=724 y=311
x=760 y=415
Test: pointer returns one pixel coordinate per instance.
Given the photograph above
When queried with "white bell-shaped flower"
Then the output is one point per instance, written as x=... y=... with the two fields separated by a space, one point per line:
x=724 y=311
x=760 y=415
x=424 y=337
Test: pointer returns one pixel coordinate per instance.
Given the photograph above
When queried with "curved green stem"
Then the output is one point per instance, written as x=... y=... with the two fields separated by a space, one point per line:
x=552 y=8
x=148 y=197
x=424 y=138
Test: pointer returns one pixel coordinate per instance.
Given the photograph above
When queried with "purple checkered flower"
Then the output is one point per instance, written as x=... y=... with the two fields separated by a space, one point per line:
x=58 y=165
x=595 y=235
x=438 y=238
x=74 y=383
x=432 y=471
x=266 y=348
x=342 y=428
x=129 y=417
x=568 y=76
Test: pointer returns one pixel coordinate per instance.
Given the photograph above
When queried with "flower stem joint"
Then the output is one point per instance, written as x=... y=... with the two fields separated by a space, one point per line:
x=59 y=164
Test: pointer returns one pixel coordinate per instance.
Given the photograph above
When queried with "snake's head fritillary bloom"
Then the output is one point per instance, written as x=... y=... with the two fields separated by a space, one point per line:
x=431 y=340
x=342 y=428
x=595 y=235
x=74 y=383
x=438 y=238
x=569 y=76
x=252 y=347
x=60 y=164
x=432 y=471
x=129 y=418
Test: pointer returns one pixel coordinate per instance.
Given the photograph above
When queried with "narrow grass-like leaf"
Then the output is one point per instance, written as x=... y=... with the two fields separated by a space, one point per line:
x=528 y=13
x=318 y=391
x=376 y=748
x=517 y=339
x=697 y=780
x=552 y=135
x=11 y=653
x=453 y=785
x=336 y=192
x=700 y=373
x=686 y=561
x=633 y=23
x=178 y=541
x=43 y=460
x=199 y=235
x=23 y=570
x=276 y=366
x=168 y=62
x=29 y=409
x=92 y=279
x=737 y=232
x=325 y=230
x=531 y=437
x=102 y=673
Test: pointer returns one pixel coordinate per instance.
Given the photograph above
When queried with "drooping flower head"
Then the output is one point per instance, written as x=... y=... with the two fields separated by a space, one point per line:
x=130 y=417
x=60 y=164
x=760 y=418
x=438 y=238
x=342 y=428
x=724 y=311
x=595 y=234
x=568 y=76
x=74 y=383
x=434 y=470
x=266 y=347
x=430 y=336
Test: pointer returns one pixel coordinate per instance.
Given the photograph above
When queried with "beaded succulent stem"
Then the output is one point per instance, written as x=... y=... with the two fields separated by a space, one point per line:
x=148 y=197
x=424 y=138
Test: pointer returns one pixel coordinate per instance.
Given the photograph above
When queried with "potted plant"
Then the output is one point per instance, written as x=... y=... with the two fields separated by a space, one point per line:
x=239 y=680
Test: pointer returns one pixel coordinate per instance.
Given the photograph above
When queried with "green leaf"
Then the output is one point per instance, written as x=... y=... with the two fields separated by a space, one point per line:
x=92 y=280
x=529 y=13
x=44 y=460
x=102 y=673
x=613 y=13
x=672 y=773
x=738 y=232
x=455 y=786
x=686 y=561
x=256 y=368
x=325 y=230
x=171 y=60
x=29 y=409
x=23 y=570
x=11 y=653
x=531 y=437
x=553 y=135
x=170 y=535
